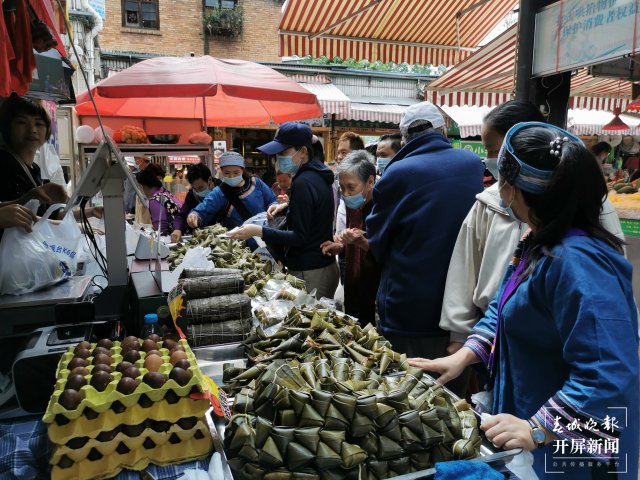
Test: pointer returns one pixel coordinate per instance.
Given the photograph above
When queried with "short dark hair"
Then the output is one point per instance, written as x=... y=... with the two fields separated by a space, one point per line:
x=151 y=176
x=16 y=105
x=394 y=139
x=574 y=197
x=600 y=147
x=355 y=140
x=505 y=116
x=371 y=148
x=198 y=171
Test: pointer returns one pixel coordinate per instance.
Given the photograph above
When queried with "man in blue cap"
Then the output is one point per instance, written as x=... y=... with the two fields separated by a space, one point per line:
x=311 y=209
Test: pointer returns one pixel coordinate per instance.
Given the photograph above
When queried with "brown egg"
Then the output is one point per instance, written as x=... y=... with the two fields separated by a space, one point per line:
x=177 y=347
x=70 y=399
x=84 y=345
x=144 y=401
x=149 y=345
x=169 y=344
x=127 y=385
x=101 y=350
x=102 y=358
x=130 y=347
x=101 y=367
x=75 y=382
x=100 y=380
x=171 y=397
x=122 y=366
x=183 y=364
x=90 y=413
x=154 y=379
x=106 y=343
x=128 y=340
x=154 y=352
x=178 y=355
x=77 y=362
x=82 y=353
x=131 y=372
x=180 y=376
x=131 y=356
x=153 y=363
x=118 y=407
x=80 y=371
x=154 y=337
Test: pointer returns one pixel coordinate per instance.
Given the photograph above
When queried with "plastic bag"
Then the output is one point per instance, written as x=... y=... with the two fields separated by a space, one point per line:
x=27 y=265
x=62 y=238
x=49 y=162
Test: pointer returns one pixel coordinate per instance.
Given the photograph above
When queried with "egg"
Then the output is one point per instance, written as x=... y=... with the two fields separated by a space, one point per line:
x=132 y=356
x=82 y=353
x=177 y=347
x=153 y=363
x=154 y=379
x=122 y=366
x=77 y=362
x=80 y=371
x=128 y=340
x=75 y=382
x=118 y=407
x=154 y=352
x=100 y=380
x=156 y=338
x=127 y=385
x=102 y=358
x=178 y=355
x=169 y=344
x=131 y=372
x=180 y=376
x=171 y=397
x=183 y=364
x=101 y=350
x=84 y=345
x=106 y=343
x=149 y=345
x=70 y=399
x=90 y=413
x=101 y=367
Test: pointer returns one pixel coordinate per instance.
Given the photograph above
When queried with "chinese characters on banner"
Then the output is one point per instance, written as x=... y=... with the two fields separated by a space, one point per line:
x=575 y=33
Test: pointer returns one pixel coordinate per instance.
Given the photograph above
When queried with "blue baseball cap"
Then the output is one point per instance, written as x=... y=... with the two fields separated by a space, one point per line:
x=290 y=134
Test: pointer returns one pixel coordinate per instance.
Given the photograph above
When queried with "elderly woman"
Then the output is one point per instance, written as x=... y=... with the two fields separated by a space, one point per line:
x=163 y=206
x=561 y=351
x=311 y=211
x=237 y=199
x=357 y=175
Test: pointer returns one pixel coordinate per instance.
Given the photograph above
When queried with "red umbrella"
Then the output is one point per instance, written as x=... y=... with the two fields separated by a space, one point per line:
x=232 y=92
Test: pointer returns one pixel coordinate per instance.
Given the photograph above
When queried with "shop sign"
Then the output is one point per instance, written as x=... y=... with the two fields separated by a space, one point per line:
x=99 y=7
x=219 y=147
x=475 y=147
x=576 y=33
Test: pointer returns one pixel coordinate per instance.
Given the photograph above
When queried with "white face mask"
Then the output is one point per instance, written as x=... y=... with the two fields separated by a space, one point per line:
x=492 y=166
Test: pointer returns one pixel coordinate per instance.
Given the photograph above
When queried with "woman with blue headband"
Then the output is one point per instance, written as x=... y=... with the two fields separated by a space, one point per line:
x=560 y=340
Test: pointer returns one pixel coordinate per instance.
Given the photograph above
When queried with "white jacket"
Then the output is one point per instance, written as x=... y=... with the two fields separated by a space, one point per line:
x=483 y=250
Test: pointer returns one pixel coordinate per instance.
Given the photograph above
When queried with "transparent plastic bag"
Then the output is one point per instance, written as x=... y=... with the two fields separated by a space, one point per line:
x=62 y=238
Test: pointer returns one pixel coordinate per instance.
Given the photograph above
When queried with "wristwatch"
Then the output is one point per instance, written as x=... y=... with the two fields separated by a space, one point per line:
x=537 y=434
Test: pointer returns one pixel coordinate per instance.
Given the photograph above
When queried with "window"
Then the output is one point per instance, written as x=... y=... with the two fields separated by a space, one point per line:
x=140 y=13
x=226 y=4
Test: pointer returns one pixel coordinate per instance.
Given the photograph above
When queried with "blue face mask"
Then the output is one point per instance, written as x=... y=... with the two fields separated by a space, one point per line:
x=232 y=181
x=203 y=194
x=507 y=208
x=284 y=163
x=354 y=202
x=382 y=163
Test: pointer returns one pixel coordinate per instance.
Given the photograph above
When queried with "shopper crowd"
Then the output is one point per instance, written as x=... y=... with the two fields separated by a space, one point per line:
x=525 y=280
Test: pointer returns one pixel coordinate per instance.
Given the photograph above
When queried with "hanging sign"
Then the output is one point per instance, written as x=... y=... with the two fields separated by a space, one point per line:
x=575 y=33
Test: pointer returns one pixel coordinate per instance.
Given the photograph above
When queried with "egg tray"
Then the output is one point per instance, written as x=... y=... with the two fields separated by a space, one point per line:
x=137 y=458
x=100 y=402
x=109 y=420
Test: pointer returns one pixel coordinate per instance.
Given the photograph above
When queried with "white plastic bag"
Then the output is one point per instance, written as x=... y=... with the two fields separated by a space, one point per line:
x=62 y=238
x=49 y=162
x=27 y=265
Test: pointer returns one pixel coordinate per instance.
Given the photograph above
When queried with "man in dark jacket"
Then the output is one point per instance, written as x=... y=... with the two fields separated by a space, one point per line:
x=310 y=211
x=419 y=205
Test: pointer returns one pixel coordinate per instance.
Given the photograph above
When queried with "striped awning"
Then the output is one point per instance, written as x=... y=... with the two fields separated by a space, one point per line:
x=468 y=119
x=374 y=112
x=330 y=98
x=487 y=78
x=438 y=32
x=589 y=122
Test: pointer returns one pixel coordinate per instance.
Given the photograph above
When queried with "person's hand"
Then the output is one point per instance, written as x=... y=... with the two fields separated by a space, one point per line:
x=283 y=199
x=331 y=249
x=449 y=367
x=176 y=235
x=16 y=215
x=245 y=232
x=193 y=220
x=506 y=431
x=97 y=212
x=48 y=193
x=274 y=210
x=453 y=347
x=352 y=236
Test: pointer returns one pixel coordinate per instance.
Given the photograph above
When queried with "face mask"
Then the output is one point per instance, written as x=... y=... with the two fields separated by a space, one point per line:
x=203 y=193
x=382 y=163
x=354 y=202
x=492 y=166
x=507 y=208
x=284 y=163
x=233 y=181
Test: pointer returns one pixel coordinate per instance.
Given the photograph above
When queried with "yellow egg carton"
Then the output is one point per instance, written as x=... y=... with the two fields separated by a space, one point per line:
x=97 y=460
x=109 y=420
x=100 y=402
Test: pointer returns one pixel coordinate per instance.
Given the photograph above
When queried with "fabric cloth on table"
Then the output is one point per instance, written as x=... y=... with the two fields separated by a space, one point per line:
x=465 y=470
x=25 y=451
